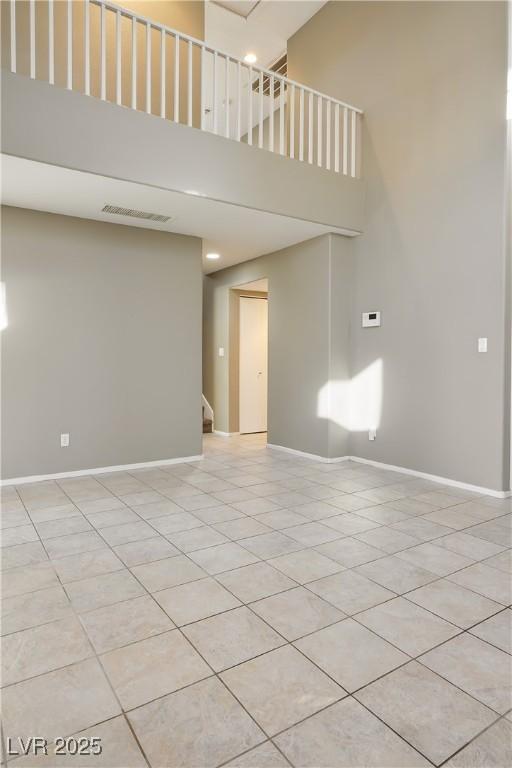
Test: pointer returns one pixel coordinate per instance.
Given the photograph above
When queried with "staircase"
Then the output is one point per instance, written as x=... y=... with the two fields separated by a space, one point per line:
x=207 y=425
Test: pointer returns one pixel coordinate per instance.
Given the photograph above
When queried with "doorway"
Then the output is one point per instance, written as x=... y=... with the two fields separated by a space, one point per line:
x=253 y=364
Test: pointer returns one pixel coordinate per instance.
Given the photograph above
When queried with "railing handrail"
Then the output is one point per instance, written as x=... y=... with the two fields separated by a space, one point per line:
x=204 y=45
x=299 y=118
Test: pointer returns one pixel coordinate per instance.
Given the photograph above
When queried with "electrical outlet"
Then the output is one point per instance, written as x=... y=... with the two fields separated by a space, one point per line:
x=482 y=345
x=64 y=440
x=221 y=351
x=372 y=434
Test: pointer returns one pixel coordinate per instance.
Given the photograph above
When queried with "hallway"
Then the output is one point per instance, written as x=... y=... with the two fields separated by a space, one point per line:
x=258 y=609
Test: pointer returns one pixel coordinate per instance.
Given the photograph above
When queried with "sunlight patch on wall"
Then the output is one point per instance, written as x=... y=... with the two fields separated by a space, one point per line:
x=355 y=404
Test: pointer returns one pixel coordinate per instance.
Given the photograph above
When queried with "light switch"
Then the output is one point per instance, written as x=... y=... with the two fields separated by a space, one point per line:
x=221 y=351
x=482 y=345
x=64 y=440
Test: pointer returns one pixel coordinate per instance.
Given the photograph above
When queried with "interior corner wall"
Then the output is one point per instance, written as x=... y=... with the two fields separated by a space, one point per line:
x=340 y=291
x=298 y=342
x=103 y=342
x=431 y=79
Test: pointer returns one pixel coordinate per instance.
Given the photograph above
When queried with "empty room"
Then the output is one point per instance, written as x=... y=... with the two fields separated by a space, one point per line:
x=255 y=321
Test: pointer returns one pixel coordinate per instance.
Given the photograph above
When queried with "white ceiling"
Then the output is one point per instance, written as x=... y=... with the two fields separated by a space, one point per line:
x=237 y=233
x=265 y=31
x=241 y=7
x=240 y=27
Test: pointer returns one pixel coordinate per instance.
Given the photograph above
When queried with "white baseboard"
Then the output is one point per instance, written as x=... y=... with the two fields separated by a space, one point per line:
x=304 y=455
x=99 y=470
x=392 y=468
x=434 y=478
x=225 y=434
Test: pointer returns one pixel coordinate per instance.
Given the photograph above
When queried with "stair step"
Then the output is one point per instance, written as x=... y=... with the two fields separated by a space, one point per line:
x=207 y=426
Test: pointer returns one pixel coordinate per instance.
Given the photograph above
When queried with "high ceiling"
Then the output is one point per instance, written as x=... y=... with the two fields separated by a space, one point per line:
x=240 y=26
x=241 y=7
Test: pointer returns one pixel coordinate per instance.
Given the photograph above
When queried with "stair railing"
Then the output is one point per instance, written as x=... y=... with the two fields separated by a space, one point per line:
x=117 y=55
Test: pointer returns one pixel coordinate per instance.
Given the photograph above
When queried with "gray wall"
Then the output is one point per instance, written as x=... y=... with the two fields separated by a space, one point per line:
x=309 y=307
x=298 y=342
x=103 y=341
x=431 y=78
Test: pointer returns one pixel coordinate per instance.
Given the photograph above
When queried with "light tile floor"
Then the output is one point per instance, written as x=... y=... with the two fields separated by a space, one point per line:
x=258 y=609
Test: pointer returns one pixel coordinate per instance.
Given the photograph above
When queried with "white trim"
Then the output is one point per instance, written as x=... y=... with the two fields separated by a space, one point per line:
x=224 y=434
x=392 y=468
x=99 y=470
x=314 y=456
x=435 y=478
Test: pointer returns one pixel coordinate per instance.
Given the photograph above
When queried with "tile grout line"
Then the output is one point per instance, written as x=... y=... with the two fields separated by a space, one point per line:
x=214 y=577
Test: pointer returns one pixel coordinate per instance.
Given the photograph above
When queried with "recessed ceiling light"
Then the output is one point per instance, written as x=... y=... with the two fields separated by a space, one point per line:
x=250 y=58
x=213 y=256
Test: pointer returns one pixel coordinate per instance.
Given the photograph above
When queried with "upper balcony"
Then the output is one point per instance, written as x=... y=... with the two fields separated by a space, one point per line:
x=170 y=111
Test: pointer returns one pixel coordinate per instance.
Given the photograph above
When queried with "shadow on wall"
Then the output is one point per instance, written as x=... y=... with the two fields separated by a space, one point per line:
x=354 y=404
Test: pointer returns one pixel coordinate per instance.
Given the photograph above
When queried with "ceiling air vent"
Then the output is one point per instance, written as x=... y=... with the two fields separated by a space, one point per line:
x=118 y=211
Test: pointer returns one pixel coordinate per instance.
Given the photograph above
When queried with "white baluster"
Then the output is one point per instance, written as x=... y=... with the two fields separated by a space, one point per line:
x=310 y=128
x=353 y=144
x=202 y=88
x=226 y=96
x=13 y=34
x=103 y=54
x=337 y=138
x=260 y=129
x=345 y=141
x=281 y=117
x=118 y=58
x=238 y=101
x=291 y=110
x=271 y=116
x=134 y=62
x=319 y=138
x=51 y=44
x=328 y=137
x=301 y=124
x=87 y=48
x=32 y=23
x=148 y=68
x=163 y=72
x=176 y=112
x=214 y=95
x=69 y=84
x=249 y=116
x=190 y=82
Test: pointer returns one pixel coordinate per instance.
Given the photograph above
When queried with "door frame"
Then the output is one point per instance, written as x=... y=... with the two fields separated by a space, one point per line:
x=234 y=354
x=253 y=298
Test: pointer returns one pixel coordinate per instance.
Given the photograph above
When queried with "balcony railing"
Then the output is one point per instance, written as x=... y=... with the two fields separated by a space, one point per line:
x=112 y=53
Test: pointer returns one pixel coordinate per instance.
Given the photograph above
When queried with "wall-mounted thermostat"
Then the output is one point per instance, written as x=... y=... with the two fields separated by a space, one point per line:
x=371 y=319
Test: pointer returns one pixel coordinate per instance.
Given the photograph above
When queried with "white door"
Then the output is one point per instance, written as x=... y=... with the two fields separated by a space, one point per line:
x=253 y=365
